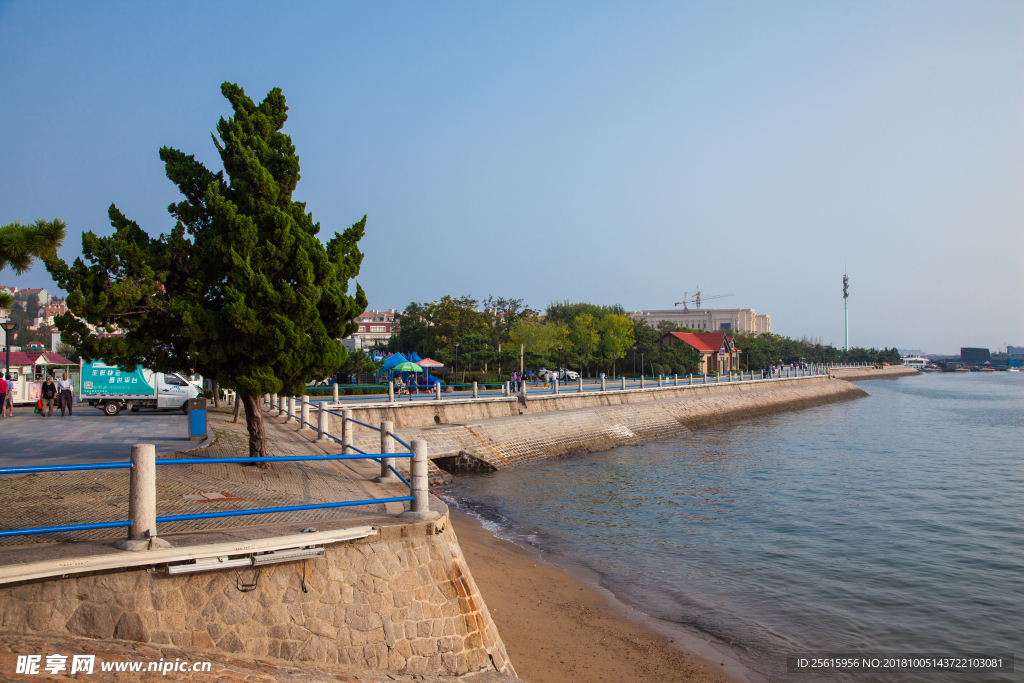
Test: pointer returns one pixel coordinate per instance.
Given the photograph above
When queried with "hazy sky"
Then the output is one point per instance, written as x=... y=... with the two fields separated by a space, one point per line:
x=606 y=152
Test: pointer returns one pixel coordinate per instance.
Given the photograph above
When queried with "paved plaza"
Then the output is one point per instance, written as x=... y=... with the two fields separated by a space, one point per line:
x=87 y=436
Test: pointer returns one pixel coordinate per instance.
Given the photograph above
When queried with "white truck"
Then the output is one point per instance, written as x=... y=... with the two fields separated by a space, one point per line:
x=112 y=389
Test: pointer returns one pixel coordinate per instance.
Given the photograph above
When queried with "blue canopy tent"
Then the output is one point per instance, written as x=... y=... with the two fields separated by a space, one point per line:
x=414 y=357
x=393 y=360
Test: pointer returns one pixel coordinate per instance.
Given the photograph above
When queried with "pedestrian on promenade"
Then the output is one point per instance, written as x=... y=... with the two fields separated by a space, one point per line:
x=48 y=393
x=64 y=387
x=8 y=402
x=5 y=386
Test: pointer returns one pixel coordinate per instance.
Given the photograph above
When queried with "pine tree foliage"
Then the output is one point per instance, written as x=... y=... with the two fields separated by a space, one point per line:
x=241 y=290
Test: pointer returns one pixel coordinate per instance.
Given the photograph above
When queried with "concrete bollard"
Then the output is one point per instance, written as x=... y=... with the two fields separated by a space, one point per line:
x=555 y=385
x=291 y=410
x=604 y=387
x=437 y=390
x=391 y=391
x=321 y=423
x=387 y=445
x=705 y=378
x=676 y=382
x=507 y=390
x=346 y=432
x=142 y=501
x=659 y=381
x=335 y=392
x=581 y=384
x=304 y=414
x=419 y=508
x=623 y=378
x=641 y=381
x=275 y=404
x=476 y=394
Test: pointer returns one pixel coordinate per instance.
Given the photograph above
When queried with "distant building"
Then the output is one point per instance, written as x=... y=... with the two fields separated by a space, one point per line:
x=46 y=314
x=718 y=352
x=910 y=353
x=1015 y=351
x=42 y=294
x=738 y=320
x=374 y=327
x=974 y=355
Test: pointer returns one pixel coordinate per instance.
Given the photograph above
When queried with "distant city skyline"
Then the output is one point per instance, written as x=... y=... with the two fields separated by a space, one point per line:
x=613 y=153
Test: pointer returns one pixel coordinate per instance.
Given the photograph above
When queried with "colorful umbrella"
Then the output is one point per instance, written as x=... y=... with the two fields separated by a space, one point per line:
x=407 y=367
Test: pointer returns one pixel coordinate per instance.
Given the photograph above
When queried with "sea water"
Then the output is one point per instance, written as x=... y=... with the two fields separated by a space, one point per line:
x=886 y=525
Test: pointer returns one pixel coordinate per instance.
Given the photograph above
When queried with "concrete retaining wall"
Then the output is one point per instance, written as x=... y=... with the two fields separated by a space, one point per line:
x=402 y=601
x=891 y=372
x=586 y=423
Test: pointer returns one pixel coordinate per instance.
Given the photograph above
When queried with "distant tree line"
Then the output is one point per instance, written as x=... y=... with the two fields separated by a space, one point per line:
x=586 y=337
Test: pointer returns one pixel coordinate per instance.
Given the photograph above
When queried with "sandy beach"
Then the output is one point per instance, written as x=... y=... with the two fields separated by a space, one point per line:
x=557 y=629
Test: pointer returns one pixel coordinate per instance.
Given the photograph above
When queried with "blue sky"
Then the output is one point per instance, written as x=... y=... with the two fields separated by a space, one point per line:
x=607 y=152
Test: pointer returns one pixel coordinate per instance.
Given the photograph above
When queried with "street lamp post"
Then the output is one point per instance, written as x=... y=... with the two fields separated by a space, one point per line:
x=456 y=345
x=561 y=361
x=634 y=361
x=9 y=327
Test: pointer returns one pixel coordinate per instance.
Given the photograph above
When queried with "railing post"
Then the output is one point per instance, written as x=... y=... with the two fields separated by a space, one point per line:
x=641 y=381
x=387 y=445
x=274 y=403
x=623 y=378
x=505 y=389
x=676 y=383
x=346 y=432
x=142 y=501
x=555 y=385
x=304 y=414
x=604 y=387
x=391 y=391
x=689 y=380
x=437 y=390
x=321 y=423
x=660 y=384
x=335 y=391
x=419 y=508
x=581 y=384
x=291 y=409
x=475 y=392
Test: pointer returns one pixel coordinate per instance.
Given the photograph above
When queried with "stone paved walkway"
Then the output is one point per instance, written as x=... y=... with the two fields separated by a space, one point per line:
x=87 y=436
x=60 y=498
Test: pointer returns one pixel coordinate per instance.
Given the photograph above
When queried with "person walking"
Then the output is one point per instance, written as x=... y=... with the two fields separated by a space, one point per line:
x=64 y=388
x=8 y=402
x=48 y=393
x=4 y=388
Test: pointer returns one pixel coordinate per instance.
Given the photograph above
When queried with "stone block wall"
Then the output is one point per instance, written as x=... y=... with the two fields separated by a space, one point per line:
x=403 y=601
x=569 y=424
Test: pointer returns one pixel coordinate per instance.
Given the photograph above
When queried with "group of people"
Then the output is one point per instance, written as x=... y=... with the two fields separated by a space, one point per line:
x=6 y=397
x=59 y=393
x=51 y=394
x=515 y=383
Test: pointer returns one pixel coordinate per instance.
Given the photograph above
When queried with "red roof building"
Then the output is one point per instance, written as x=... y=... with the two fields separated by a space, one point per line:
x=718 y=352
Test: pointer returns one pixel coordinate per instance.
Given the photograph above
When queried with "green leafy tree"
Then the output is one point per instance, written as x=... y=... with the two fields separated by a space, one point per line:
x=242 y=290
x=616 y=336
x=584 y=338
x=21 y=244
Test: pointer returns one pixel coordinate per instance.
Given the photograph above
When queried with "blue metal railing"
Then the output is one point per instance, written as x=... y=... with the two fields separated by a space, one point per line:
x=204 y=515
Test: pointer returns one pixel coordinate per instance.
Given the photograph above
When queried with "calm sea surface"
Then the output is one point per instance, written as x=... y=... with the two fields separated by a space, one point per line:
x=890 y=524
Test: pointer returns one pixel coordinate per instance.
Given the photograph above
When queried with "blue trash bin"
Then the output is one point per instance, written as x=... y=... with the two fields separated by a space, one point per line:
x=197 y=418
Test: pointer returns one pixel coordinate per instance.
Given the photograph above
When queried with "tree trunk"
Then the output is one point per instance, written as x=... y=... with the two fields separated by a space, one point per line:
x=238 y=405
x=254 y=422
x=216 y=395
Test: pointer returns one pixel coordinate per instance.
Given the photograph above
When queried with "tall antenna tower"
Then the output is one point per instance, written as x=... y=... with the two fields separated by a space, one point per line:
x=846 y=307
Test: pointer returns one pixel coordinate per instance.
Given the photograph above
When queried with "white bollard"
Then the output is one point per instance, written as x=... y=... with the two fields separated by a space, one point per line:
x=641 y=381
x=419 y=508
x=581 y=384
x=304 y=414
x=346 y=432
x=555 y=384
x=604 y=387
x=437 y=390
x=142 y=501
x=275 y=403
x=623 y=378
x=475 y=393
x=659 y=381
x=335 y=387
x=391 y=391
x=387 y=445
x=321 y=423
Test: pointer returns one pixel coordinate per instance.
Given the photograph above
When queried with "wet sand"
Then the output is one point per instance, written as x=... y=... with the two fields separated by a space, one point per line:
x=558 y=629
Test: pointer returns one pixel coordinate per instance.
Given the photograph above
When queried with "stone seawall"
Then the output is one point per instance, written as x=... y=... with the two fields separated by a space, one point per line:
x=401 y=601
x=890 y=372
x=560 y=425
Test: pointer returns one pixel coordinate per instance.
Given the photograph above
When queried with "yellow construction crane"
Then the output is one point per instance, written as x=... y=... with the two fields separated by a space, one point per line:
x=697 y=298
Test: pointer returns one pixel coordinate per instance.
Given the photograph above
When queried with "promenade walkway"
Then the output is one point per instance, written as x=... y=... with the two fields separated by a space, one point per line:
x=81 y=497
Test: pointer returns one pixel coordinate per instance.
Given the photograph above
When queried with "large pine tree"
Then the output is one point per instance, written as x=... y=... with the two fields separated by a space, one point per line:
x=241 y=290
